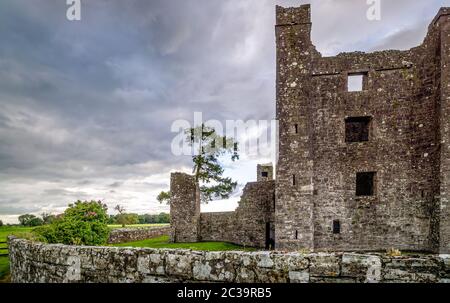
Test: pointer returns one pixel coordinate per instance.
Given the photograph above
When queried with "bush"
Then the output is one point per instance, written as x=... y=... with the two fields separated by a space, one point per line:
x=1 y=223
x=83 y=223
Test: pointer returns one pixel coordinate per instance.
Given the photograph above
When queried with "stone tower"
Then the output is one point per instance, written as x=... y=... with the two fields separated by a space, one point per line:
x=184 y=208
x=364 y=146
x=294 y=186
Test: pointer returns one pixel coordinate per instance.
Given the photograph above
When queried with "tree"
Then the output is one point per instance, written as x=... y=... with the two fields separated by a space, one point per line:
x=1 y=223
x=163 y=218
x=30 y=220
x=48 y=218
x=124 y=218
x=208 y=171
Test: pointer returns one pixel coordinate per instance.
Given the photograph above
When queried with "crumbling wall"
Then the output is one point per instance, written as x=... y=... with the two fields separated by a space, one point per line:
x=316 y=172
x=56 y=263
x=123 y=235
x=251 y=224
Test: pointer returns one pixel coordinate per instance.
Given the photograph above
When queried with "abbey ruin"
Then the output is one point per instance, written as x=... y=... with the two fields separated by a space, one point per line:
x=360 y=168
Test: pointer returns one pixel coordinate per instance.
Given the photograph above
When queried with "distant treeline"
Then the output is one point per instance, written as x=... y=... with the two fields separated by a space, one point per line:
x=129 y=219
x=123 y=219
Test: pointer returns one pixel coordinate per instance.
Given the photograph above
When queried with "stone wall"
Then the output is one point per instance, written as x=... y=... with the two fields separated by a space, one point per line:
x=123 y=235
x=33 y=262
x=406 y=96
x=251 y=224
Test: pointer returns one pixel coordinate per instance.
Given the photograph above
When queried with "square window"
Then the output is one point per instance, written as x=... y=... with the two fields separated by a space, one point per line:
x=264 y=174
x=355 y=82
x=365 y=184
x=357 y=129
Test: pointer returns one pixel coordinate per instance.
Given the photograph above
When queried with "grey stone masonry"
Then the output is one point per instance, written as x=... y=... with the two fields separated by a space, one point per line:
x=123 y=235
x=264 y=172
x=184 y=208
x=33 y=262
x=362 y=168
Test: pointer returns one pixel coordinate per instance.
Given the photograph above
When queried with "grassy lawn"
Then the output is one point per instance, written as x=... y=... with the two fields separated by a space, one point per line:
x=163 y=242
x=4 y=261
x=115 y=226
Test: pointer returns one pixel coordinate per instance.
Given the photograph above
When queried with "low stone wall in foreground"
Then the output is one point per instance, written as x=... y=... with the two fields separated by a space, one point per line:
x=37 y=262
x=124 y=235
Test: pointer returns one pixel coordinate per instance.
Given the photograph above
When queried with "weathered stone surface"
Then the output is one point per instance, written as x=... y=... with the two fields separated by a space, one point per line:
x=184 y=208
x=324 y=265
x=245 y=226
x=70 y=264
x=405 y=99
x=123 y=235
x=365 y=268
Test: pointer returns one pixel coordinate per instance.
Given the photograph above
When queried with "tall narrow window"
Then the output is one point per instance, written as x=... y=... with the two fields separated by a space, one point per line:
x=357 y=129
x=293 y=180
x=365 y=184
x=296 y=234
x=336 y=227
x=296 y=128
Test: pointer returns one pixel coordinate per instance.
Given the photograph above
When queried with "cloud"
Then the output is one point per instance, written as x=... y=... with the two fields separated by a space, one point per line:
x=86 y=107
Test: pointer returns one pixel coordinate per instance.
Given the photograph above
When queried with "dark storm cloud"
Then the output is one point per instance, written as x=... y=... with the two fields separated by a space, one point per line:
x=87 y=106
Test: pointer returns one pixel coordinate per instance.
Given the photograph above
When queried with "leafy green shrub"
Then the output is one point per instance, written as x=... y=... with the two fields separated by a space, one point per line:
x=83 y=223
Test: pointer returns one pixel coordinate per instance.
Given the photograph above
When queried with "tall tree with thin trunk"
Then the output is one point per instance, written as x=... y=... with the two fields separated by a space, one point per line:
x=208 y=146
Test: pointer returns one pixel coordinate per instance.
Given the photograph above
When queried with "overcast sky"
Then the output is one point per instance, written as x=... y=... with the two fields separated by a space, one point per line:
x=86 y=107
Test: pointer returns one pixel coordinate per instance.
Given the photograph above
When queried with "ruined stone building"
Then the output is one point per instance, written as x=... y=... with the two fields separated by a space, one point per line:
x=364 y=152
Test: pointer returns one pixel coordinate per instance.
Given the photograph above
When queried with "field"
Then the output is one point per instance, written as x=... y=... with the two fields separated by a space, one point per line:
x=163 y=242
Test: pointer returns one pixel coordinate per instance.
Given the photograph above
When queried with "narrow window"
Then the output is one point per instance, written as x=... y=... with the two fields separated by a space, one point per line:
x=336 y=227
x=296 y=128
x=355 y=82
x=293 y=180
x=357 y=129
x=296 y=235
x=365 y=184
x=264 y=174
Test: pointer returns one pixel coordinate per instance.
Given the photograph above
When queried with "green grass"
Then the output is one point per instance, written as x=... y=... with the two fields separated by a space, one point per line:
x=163 y=242
x=4 y=261
x=115 y=226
